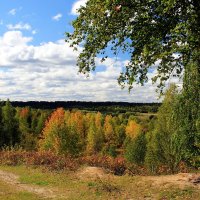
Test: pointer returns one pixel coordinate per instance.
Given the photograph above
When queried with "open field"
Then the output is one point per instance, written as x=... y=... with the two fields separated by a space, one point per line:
x=20 y=182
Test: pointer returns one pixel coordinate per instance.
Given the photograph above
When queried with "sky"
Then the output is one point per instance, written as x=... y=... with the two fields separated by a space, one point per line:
x=36 y=64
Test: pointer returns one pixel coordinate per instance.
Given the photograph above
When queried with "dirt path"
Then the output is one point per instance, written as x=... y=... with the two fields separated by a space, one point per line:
x=181 y=180
x=91 y=173
x=13 y=179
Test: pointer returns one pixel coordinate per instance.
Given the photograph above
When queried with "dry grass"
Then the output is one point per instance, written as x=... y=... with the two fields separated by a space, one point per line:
x=92 y=184
x=8 y=192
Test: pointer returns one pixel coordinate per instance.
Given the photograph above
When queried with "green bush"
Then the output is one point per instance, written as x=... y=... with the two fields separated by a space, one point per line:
x=136 y=149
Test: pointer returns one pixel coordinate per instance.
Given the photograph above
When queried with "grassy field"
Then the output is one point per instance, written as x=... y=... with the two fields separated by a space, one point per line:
x=8 y=192
x=37 y=183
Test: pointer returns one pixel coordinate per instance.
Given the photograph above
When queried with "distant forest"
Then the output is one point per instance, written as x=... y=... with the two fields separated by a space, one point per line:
x=104 y=107
x=143 y=134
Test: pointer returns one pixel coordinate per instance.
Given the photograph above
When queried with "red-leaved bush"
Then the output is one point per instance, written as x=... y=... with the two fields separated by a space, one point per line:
x=118 y=166
x=46 y=159
x=114 y=165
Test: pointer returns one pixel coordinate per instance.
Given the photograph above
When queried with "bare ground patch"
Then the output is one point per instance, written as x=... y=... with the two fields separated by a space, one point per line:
x=92 y=182
x=91 y=173
x=13 y=179
x=181 y=180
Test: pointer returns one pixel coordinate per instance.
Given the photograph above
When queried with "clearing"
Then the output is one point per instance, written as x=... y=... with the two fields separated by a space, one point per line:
x=20 y=183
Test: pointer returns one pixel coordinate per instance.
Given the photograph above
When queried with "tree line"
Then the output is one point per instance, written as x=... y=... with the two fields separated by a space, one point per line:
x=165 y=140
x=105 y=107
x=73 y=131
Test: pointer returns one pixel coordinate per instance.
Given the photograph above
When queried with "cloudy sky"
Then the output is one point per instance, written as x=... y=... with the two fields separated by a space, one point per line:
x=36 y=63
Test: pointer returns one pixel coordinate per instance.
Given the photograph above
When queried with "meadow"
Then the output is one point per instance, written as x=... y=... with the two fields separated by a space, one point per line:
x=89 y=183
x=87 y=154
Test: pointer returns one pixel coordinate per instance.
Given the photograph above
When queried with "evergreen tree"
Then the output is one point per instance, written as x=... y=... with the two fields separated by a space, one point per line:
x=119 y=129
x=28 y=139
x=136 y=149
x=10 y=133
x=41 y=122
x=166 y=144
x=187 y=114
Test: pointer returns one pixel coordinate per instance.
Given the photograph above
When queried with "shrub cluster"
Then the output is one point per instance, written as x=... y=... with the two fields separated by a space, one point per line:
x=52 y=161
x=116 y=165
x=12 y=156
x=45 y=159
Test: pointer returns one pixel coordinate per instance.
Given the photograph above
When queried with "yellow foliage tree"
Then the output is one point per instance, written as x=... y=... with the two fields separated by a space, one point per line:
x=54 y=132
x=108 y=129
x=133 y=129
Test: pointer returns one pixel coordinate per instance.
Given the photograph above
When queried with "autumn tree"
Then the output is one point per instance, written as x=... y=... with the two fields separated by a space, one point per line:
x=57 y=136
x=91 y=139
x=135 y=143
x=95 y=136
x=54 y=133
x=133 y=129
x=77 y=125
x=110 y=136
x=164 y=34
x=99 y=131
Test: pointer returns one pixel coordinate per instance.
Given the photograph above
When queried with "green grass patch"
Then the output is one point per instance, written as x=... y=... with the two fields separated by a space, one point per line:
x=8 y=192
x=36 y=176
x=177 y=193
x=70 y=187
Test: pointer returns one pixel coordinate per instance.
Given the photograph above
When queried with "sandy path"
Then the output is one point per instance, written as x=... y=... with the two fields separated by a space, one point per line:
x=12 y=179
x=181 y=180
x=91 y=173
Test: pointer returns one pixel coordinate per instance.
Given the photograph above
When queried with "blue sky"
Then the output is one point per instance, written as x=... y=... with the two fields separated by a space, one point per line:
x=36 y=63
x=38 y=14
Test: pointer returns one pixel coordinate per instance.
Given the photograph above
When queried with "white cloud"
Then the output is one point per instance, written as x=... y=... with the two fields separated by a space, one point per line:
x=77 y=5
x=13 y=39
x=12 y=11
x=19 y=26
x=48 y=72
x=57 y=17
x=1 y=22
x=34 y=32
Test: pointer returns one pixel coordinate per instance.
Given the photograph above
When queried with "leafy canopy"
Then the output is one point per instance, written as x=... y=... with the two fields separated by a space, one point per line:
x=163 y=32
